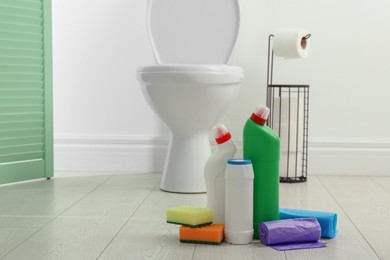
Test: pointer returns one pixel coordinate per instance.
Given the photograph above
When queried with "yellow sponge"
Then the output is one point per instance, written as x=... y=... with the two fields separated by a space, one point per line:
x=190 y=216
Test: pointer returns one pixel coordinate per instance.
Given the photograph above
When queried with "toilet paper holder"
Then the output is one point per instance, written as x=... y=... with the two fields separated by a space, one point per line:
x=289 y=114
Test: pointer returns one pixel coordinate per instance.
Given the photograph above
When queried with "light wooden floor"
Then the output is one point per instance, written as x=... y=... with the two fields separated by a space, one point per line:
x=122 y=216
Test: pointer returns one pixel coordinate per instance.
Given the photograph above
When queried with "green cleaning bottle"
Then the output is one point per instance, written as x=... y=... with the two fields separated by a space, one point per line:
x=262 y=147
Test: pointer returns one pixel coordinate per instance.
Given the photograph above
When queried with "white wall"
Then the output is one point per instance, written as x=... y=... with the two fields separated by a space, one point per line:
x=103 y=123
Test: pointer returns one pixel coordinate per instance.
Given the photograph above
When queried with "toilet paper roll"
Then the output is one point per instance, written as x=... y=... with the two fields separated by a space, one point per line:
x=291 y=43
x=289 y=139
x=290 y=164
x=287 y=122
x=286 y=109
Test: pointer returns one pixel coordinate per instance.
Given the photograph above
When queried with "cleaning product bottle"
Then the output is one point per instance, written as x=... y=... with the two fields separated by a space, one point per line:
x=214 y=172
x=262 y=147
x=239 y=202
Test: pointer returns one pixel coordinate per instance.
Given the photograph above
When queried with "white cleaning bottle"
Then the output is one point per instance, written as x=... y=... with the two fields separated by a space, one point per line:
x=214 y=172
x=239 y=202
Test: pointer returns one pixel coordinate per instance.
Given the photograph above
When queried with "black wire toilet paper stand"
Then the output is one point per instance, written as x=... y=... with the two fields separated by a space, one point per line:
x=281 y=102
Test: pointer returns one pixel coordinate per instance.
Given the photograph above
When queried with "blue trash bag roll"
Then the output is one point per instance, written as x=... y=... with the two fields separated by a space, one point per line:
x=327 y=220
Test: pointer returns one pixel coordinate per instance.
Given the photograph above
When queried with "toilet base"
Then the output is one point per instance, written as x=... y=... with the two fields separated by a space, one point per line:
x=184 y=165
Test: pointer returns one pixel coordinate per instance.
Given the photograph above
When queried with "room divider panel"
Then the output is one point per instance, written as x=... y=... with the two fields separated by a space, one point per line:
x=26 y=131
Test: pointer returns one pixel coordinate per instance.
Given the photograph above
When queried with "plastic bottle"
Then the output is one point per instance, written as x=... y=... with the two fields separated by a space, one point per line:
x=214 y=172
x=262 y=147
x=239 y=202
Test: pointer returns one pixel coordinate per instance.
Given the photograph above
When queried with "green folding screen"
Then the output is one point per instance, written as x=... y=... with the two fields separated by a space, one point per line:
x=26 y=132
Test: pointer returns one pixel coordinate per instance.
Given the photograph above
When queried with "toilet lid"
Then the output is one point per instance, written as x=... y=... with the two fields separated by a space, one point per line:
x=193 y=31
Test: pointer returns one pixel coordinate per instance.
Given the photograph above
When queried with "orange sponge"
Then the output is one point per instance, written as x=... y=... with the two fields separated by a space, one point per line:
x=211 y=234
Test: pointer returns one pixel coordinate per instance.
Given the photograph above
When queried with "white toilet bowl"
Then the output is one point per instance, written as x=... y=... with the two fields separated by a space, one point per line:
x=187 y=93
x=189 y=100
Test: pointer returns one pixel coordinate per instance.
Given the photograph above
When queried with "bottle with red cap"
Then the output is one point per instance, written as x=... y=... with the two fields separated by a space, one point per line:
x=262 y=147
x=214 y=172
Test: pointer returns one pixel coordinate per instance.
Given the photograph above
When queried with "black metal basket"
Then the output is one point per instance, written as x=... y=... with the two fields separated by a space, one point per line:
x=289 y=114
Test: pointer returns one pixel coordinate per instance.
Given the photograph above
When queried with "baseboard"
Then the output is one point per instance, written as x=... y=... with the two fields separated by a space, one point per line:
x=327 y=156
x=330 y=156
x=106 y=153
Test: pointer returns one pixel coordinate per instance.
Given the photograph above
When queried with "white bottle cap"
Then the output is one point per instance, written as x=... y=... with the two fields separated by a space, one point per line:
x=262 y=112
x=260 y=115
x=221 y=134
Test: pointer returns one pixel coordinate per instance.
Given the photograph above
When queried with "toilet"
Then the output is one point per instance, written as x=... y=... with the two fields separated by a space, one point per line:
x=191 y=87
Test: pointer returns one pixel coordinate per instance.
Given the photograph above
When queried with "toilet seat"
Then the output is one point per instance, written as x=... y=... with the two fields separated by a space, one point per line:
x=190 y=67
x=184 y=74
x=193 y=31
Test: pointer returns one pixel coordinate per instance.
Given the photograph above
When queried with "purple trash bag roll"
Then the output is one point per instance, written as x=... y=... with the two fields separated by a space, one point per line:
x=296 y=233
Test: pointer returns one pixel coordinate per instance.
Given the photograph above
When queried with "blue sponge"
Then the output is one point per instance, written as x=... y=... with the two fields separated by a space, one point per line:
x=327 y=220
